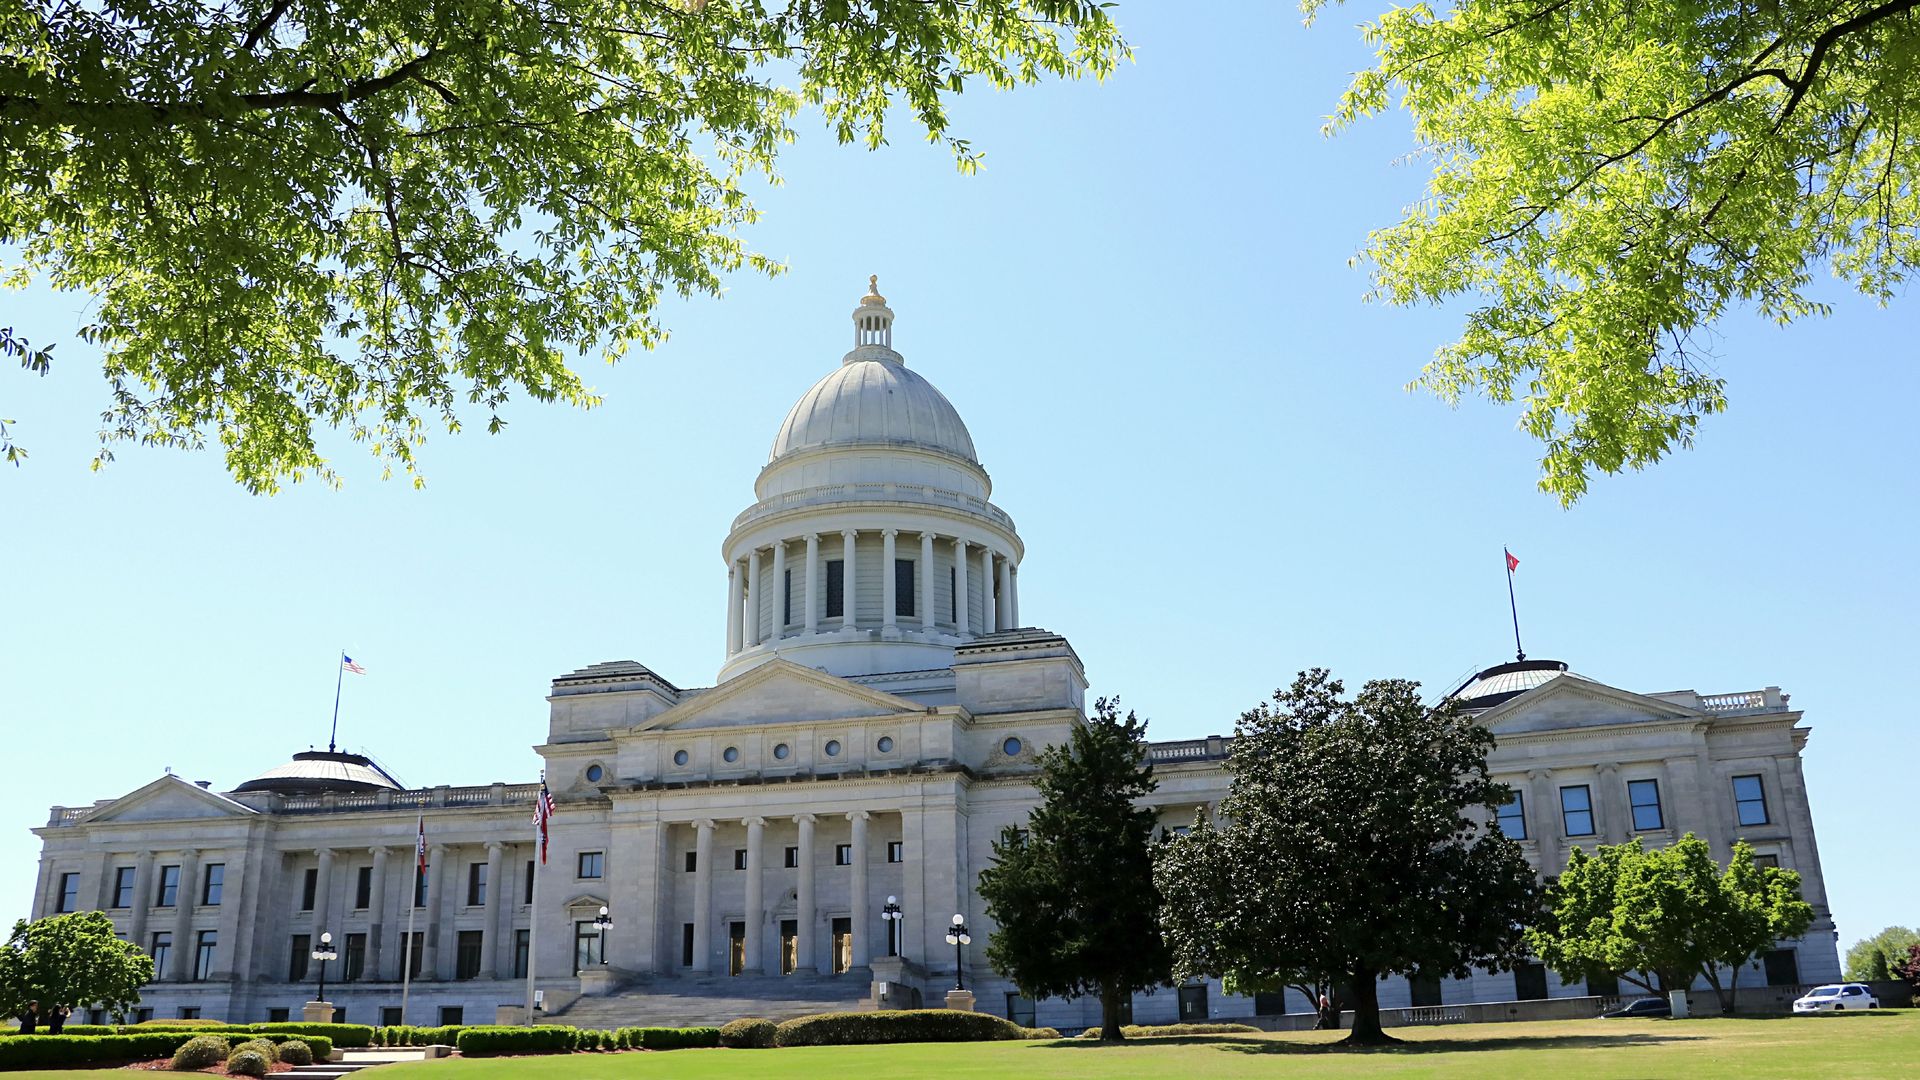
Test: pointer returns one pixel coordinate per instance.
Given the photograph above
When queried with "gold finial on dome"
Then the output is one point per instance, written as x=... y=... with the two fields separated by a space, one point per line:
x=873 y=297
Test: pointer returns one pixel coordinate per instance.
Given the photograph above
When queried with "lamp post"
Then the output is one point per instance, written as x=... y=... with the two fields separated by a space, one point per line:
x=891 y=915
x=324 y=953
x=958 y=937
x=605 y=922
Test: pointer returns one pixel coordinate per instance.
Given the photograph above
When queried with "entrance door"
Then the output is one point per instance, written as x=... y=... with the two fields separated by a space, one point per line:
x=1193 y=1003
x=842 y=945
x=736 y=947
x=789 y=945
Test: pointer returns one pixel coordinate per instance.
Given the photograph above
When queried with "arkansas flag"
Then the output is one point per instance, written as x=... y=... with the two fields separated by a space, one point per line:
x=1512 y=563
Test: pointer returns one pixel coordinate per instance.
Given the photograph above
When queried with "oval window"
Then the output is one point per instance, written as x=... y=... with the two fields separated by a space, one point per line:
x=833 y=747
x=594 y=774
x=1011 y=747
x=679 y=757
x=731 y=753
x=886 y=744
x=781 y=751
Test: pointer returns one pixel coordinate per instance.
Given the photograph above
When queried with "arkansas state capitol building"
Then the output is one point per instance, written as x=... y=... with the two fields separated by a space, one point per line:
x=873 y=727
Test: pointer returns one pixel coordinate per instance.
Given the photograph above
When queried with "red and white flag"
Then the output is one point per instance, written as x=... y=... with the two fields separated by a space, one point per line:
x=420 y=845
x=543 y=813
x=1512 y=563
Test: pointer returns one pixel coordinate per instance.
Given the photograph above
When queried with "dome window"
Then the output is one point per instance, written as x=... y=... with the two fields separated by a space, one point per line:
x=731 y=753
x=833 y=747
x=1011 y=747
x=781 y=751
x=679 y=757
x=594 y=773
x=886 y=744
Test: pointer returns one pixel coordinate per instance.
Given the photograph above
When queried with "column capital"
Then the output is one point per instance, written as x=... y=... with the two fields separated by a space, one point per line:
x=1607 y=768
x=324 y=853
x=1539 y=774
x=189 y=853
x=495 y=847
x=858 y=815
x=379 y=851
x=889 y=533
x=811 y=538
x=849 y=534
x=753 y=822
x=703 y=824
x=434 y=851
x=805 y=819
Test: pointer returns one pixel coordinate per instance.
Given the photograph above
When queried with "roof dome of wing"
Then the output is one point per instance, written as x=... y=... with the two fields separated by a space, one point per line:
x=1503 y=682
x=873 y=399
x=320 y=771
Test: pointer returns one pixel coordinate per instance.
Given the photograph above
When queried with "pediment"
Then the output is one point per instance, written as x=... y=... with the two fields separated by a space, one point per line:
x=587 y=902
x=1570 y=702
x=168 y=799
x=779 y=692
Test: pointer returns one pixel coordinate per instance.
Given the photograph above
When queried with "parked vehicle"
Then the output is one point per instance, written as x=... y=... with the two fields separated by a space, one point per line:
x=1644 y=1008
x=1836 y=997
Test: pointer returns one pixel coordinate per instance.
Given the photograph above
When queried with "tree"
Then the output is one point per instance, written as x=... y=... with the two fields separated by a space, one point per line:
x=1354 y=846
x=1908 y=968
x=73 y=960
x=1610 y=178
x=1664 y=917
x=1873 y=959
x=1074 y=896
x=381 y=215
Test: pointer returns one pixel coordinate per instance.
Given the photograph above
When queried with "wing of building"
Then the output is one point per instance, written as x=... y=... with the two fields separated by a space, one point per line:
x=798 y=836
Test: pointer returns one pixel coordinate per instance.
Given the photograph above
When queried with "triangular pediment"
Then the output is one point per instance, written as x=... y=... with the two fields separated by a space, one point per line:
x=779 y=692
x=168 y=799
x=1570 y=701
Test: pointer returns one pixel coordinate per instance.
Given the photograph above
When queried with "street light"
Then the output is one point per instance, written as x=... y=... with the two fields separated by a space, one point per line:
x=957 y=937
x=323 y=954
x=892 y=915
x=605 y=922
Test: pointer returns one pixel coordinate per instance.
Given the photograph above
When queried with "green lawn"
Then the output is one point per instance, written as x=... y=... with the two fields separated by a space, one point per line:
x=1861 y=1045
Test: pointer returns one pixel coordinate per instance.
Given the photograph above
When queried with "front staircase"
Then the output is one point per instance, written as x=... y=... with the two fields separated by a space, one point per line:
x=712 y=1000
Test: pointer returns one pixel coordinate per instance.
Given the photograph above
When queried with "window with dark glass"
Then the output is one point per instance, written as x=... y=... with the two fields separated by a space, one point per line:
x=692 y=861
x=1529 y=982
x=793 y=858
x=520 y=942
x=592 y=863
x=1644 y=797
x=162 y=952
x=203 y=954
x=1424 y=990
x=586 y=939
x=1783 y=967
x=452 y=1015
x=476 y=884
x=1750 y=800
x=836 y=588
x=1769 y=859
x=903 y=587
x=123 y=887
x=786 y=597
x=363 y=889
x=278 y=1016
x=1603 y=984
x=896 y=851
x=419 y=889
x=527 y=894
x=466 y=957
x=300 y=951
x=169 y=892
x=953 y=597
x=213 y=880
x=1020 y=1009
x=355 y=958
x=1270 y=1003
x=739 y=858
x=415 y=945
x=843 y=854
x=1576 y=810
x=390 y=1016
x=188 y=1012
x=686 y=944
x=1512 y=817
x=69 y=893
x=310 y=886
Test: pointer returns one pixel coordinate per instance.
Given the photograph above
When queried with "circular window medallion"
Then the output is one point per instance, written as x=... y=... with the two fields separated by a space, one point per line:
x=594 y=773
x=886 y=744
x=781 y=751
x=833 y=747
x=1011 y=747
x=679 y=757
x=731 y=753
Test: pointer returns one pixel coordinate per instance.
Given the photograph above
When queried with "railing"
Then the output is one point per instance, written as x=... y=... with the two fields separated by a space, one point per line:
x=1188 y=750
x=874 y=492
x=1433 y=1014
x=1750 y=699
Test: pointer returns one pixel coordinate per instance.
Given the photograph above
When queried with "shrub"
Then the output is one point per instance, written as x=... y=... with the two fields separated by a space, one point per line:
x=349 y=1035
x=145 y=1025
x=295 y=1052
x=248 y=1063
x=37 y=1052
x=1162 y=1031
x=89 y=1029
x=748 y=1033
x=264 y=1047
x=902 y=1026
x=1042 y=1033
x=201 y=1052
x=482 y=1041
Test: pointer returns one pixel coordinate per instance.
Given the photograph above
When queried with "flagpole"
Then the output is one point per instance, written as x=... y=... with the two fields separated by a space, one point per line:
x=533 y=904
x=413 y=912
x=339 y=671
x=1520 y=653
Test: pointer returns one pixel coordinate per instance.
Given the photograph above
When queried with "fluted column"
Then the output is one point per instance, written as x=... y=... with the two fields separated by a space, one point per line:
x=184 y=946
x=811 y=589
x=962 y=618
x=142 y=898
x=733 y=607
x=889 y=587
x=490 y=933
x=377 y=915
x=1005 y=606
x=1543 y=823
x=926 y=584
x=860 y=906
x=803 y=943
x=752 y=615
x=756 y=899
x=703 y=896
x=847 y=612
x=322 y=893
x=1013 y=596
x=989 y=618
x=1609 y=804
x=436 y=893
x=780 y=595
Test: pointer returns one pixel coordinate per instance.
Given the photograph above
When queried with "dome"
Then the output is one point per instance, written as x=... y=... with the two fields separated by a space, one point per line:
x=873 y=399
x=318 y=771
x=1503 y=682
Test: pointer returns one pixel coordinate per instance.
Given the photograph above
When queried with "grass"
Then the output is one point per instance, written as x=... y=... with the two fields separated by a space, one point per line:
x=1886 y=1043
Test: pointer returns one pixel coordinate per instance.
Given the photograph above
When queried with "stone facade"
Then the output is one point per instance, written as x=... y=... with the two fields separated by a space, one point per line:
x=873 y=729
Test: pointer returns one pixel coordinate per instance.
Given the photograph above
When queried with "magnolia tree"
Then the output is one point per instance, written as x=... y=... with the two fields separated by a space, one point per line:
x=1665 y=917
x=71 y=960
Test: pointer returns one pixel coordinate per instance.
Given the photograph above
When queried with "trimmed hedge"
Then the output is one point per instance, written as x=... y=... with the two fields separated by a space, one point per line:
x=1043 y=1033
x=296 y=1052
x=480 y=1041
x=146 y=1025
x=1161 y=1031
x=666 y=1038
x=249 y=1063
x=748 y=1033
x=200 y=1052
x=895 y=1026
x=407 y=1035
x=348 y=1035
x=37 y=1052
x=264 y=1046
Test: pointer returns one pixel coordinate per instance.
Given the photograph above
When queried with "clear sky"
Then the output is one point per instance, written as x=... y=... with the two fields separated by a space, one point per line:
x=1144 y=309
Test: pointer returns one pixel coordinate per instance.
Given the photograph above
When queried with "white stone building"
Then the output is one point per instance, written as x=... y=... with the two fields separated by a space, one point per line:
x=872 y=730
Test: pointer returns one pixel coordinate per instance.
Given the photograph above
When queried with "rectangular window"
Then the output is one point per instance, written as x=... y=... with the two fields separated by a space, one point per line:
x=520 y=943
x=896 y=851
x=188 y=1012
x=893 y=937
x=526 y=896
x=69 y=893
x=1270 y=1003
x=203 y=955
x=452 y=1015
x=1424 y=990
x=786 y=597
x=1193 y=1003
x=466 y=957
x=278 y=1016
x=1529 y=982
x=1512 y=817
x=1020 y=1009
x=416 y=947
x=1783 y=967
x=953 y=597
x=692 y=861
x=1750 y=800
x=1603 y=984
x=1644 y=796
x=213 y=881
x=592 y=863
x=739 y=858
x=141 y=1016
x=476 y=884
x=793 y=858
x=298 y=957
x=390 y=1016
x=843 y=854
x=836 y=588
x=162 y=952
x=1768 y=860
x=1576 y=810
x=363 y=889
x=168 y=893
x=123 y=887
x=686 y=945
x=356 y=958
x=903 y=587
x=310 y=885
x=419 y=889
x=586 y=939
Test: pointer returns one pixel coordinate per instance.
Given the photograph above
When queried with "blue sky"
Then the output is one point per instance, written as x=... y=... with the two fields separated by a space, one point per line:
x=1144 y=309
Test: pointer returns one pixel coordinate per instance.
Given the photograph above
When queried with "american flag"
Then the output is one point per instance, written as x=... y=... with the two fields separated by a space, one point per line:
x=543 y=813
x=347 y=662
x=420 y=845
